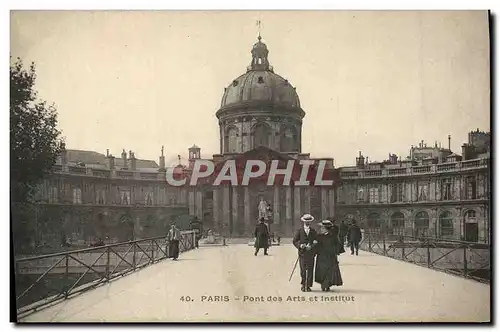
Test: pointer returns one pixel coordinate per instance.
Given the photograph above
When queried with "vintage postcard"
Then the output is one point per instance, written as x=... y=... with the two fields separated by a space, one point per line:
x=250 y=166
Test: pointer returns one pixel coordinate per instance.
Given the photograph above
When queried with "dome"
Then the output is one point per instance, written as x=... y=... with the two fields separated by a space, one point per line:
x=260 y=84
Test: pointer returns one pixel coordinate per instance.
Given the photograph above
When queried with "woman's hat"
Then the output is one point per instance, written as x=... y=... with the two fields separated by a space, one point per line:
x=326 y=223
x=307 y=217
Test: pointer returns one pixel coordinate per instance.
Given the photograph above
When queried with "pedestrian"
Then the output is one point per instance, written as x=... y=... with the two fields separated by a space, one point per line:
x=343 y=229
x=261 y=237
x=327 y=272
x=174 y=235
x=305 y=240
x=354 y=237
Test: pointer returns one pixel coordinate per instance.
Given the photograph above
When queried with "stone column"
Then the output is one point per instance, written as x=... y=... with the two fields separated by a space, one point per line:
x=307 y=199
x=288 y=211
x=226 y=210
x=235 y=204
x=324 y=203
x=248 y=224
x=191 y=202
x=216 y=206
x=433 y=224
x=199 y=205
x=297 y=211
x=276 y=210
x=331 y=202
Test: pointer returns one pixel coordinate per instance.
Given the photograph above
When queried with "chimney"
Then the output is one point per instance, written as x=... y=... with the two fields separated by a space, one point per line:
x=449 y=142
x=133 y=161
x=162 y=159
x=124 y=157
x=110 y=161
x=64 y=157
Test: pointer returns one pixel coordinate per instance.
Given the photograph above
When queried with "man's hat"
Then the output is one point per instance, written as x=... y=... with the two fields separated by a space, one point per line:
x=307 y=217
x=326 y=223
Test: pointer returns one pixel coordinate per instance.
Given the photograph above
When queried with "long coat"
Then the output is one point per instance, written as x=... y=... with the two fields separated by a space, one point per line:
x=327 y=271
x=354 y=234
x=301 y=237
x=261 y=236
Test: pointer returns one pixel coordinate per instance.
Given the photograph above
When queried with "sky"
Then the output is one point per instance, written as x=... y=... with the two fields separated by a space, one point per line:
x=369 y=81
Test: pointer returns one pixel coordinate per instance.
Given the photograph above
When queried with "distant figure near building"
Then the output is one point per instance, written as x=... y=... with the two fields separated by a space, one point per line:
x=354 y=237
x=305 y=240
x=343 y=230
x=261 y=237
x=264 y=209
x=174 y=235
x=327 y=272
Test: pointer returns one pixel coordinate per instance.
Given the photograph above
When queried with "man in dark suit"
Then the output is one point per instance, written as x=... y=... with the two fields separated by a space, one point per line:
x=354 y=237
x=305 y=240
x=261 y=237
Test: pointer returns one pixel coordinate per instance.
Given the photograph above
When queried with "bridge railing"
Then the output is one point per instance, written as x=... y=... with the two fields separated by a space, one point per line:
x=467 y=259
x=42 y=280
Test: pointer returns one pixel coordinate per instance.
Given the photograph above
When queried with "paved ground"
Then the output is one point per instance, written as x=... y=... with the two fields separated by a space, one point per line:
x=375 y=288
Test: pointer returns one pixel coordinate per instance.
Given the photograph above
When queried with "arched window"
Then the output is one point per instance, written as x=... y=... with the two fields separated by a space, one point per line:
x=232 y=140
x=471 y=228
x=421 y=223
x=373 y=221
x=261 y=135
x=445 y=224
x=288 y=140
x=77 y=196
x=398 y=223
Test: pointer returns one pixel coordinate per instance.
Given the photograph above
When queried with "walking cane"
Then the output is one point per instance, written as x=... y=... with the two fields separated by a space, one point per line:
x=294 y=267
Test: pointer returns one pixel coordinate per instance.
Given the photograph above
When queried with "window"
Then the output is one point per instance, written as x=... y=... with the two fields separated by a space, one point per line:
x=148 y=198
x=471 y=187
x=101 y=196
x=470 y=216
x=261 y=79
x=77 y=196
x=232 y=140
x=261 y=135
x=398 y=223
x=288 y=140
x=397 y=192
x=445 y=224
x=125 y=197
x=53 y=195
x=361 y=194
x=374 y=195
x=446 y=189
x=423 y=190
x=421 y=223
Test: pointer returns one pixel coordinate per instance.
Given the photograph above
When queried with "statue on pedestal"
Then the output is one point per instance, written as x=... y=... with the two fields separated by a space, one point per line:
x=264 y=209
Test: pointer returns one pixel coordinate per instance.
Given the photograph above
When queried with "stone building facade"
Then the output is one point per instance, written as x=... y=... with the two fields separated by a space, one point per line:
x=90 y=196
x=432 y=192
x=439 y=195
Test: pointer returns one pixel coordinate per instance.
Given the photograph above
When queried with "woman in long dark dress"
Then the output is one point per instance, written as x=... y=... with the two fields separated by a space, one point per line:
x=327 y=271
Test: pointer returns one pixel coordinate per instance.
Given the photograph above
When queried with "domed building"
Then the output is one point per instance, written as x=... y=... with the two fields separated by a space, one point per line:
x=260 y=108
x=260 y=118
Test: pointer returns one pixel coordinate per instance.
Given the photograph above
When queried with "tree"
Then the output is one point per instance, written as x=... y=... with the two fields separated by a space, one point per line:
x=35 y=141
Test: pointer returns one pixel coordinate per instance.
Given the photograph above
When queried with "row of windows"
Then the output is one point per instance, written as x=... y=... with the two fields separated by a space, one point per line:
x=101 y=197
x=262 y=137
x=396 y=191
x=397 y=221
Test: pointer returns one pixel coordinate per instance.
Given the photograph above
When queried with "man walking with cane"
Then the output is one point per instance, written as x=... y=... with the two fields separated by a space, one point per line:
x=304 y=240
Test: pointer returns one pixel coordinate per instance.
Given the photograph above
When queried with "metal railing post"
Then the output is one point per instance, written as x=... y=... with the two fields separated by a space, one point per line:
x=133 y=257
x=369 y=241
x=108 y=263
x=66 y=275
x=383 y=244
x=466 y=272
x=403 y=248
x=152 y=251
x=428 y=253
